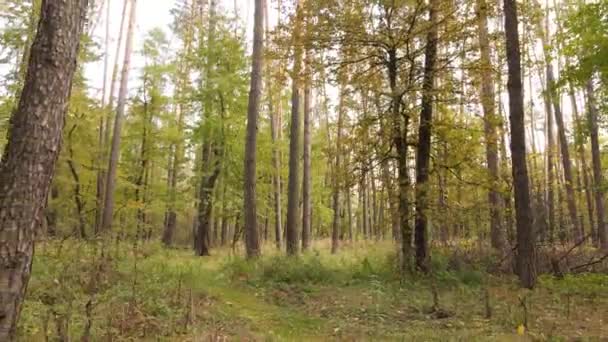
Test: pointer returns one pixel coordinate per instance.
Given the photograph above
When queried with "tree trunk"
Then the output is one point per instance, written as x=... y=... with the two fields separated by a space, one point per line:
x=423 y=155
x=33 y=146
x=108 y=120
x=276 y=158
x=293 y=187
x=252 y=244
x=178 y=145
x=566 y=163
x=490 y=123
x=337 y=184
x=526 y=253
x=81 y=231
x=211 y=157
x=306 y=173
x=108 y=209
x=597 y=165
x=101 y=142
x=582 y=159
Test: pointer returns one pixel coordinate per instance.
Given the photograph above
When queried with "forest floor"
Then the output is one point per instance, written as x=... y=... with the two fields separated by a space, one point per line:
x=126 y=292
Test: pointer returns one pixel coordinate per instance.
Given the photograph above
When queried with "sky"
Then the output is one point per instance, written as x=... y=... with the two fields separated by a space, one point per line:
x=150 y=14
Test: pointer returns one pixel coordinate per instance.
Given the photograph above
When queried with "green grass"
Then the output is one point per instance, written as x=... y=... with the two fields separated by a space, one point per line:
x=150 y=293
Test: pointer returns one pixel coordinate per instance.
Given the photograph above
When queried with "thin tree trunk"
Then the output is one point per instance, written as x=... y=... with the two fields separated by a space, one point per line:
x=490 y=122
x=597 y=165
x=33 y=146
x=81 y=231
x=108 y=209
x=276 y=158
x=252 y=243
x=101 y=142
x=337 y=184
x=566 y=163
x=582 y=172
x=526 y=253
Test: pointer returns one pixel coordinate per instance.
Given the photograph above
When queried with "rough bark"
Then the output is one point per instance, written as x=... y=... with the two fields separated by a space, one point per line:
x=108 y=208
x=252 y=244
x=34 y=141
x=526 y=253
x=423 y=153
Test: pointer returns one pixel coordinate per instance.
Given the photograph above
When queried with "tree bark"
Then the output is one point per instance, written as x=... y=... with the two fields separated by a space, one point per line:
x=597 y=165
x=276 y=158
x=293 y=187
x=108 y=120
x=81 y=231
x=306 y=173
x=108 y=209
x=337 y=184
x=526 y=253
x=490 y=124
x=423 y=155
x=582 y=172
x=252 y=244
x=33 y=146
x=566 y=163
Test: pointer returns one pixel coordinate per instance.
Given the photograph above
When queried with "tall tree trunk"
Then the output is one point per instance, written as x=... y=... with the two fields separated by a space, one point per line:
x=101 y=142
x=143 y=167
x=276 y=158
x=252 y=243
x=293 y=187
x=306 y=173
x=490 y=123
x=33 y=146
x=566 y=163
x=175 y=162
x=108 y=208
x=337 y=184
x=526 y=253
x=582 y=159
x=423 y=155
x=107 y=123
x=597 y=165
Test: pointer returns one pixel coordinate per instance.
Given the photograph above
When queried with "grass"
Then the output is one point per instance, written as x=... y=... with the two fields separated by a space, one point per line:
x=150 y=293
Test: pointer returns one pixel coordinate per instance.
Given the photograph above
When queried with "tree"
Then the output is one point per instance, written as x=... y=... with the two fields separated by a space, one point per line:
x=423 y=155
x=491 y=121
x=34 y=143
x=597 y=165
x=108 y=208
x=526 y=253
x=252 y=243
x=293 y=186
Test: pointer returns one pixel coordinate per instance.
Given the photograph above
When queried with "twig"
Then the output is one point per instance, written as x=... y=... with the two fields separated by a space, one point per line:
x=591 y=263
x=574 y=247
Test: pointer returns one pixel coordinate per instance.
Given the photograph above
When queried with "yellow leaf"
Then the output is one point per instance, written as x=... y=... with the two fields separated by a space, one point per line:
x=521 y=329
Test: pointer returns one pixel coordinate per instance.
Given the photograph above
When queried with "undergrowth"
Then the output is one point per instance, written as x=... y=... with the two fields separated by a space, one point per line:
x=103 y=291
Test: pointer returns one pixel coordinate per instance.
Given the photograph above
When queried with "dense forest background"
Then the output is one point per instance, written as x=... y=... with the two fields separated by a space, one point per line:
x=435 y=147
